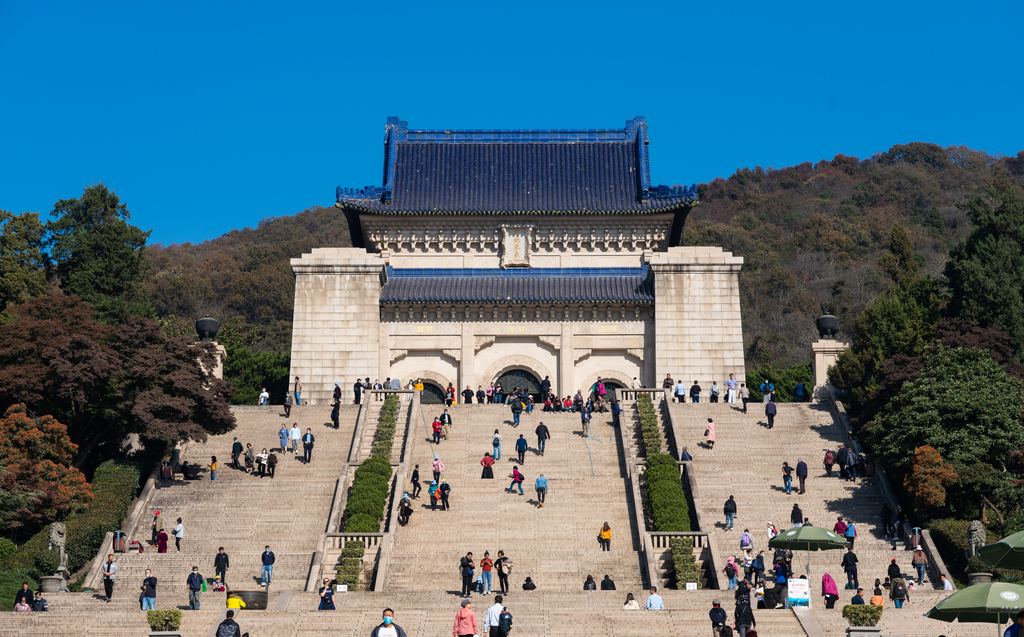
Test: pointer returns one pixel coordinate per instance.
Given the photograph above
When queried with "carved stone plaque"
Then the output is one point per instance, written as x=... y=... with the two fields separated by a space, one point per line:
x=515 y=246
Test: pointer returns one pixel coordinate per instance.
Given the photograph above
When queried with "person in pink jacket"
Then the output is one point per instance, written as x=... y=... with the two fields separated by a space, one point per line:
x=711 y=434
x=465 y=621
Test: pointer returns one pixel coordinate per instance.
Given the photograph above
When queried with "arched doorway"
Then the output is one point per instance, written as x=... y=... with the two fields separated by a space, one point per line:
x=432 y=394
x=611 y=387
x=520 y=379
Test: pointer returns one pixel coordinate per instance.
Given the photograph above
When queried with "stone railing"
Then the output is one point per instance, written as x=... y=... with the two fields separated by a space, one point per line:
x=629 y=395
x=401 y=477
x=633 y=479
x=337 y=540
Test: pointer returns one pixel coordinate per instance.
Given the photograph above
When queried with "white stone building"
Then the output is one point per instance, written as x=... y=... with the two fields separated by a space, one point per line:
x=515 y=255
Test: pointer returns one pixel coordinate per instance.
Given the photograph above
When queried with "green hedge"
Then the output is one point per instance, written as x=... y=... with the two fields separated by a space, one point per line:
x=10 y=584
x=348 y=572
x=114 y=484
x=362 y=523
x=862 y=614
x=665 y=494
x=169 y=619
x=684 y=562
x=354 y=548
x=7 y=549
x=384 y=437
x=650 y=430
x=371 y=486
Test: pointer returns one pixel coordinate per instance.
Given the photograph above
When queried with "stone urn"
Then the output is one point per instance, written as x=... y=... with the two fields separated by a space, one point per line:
x=207 y=328
x=50 y=583
x=978 y=578
x=254 y=600
x=828 y=326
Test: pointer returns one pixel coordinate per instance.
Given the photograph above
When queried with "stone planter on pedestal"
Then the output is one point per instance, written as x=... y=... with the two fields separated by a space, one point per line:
x=978 y=578
x=863 y=631
x=50 y=583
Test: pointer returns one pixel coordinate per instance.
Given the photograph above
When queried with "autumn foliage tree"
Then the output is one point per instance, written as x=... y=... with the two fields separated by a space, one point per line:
x=36 y=475
x=928 y=478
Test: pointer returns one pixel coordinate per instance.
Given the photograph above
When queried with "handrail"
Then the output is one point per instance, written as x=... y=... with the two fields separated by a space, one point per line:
x=644 y=541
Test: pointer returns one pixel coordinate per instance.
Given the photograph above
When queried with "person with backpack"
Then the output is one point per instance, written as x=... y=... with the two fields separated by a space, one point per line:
x=387 y=627
x=517 y=481
x=517 y=410
x=830 y=459
x=496 y=443
x=492 y=618
x=731 y=571
x=898 y=592
x=505 y=621
x=229 y=627
x=746 y=542
x=849 y=564
x=919 y=562
x=730 y=512
x=767 y=389
x=504 y=567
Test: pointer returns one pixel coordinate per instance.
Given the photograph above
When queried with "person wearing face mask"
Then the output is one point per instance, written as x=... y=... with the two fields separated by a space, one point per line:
x=388 y=627
x=195 y=585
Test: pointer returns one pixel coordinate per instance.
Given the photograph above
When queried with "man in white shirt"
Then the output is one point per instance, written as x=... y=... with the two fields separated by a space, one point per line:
x=730 y=386
x=295 y=435
x=493 y=617
x=946 y=584
x=636 y=383
x=654 y=602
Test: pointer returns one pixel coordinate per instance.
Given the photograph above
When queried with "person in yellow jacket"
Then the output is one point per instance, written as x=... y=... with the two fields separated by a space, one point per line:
x=605 y=537
x=235 y=601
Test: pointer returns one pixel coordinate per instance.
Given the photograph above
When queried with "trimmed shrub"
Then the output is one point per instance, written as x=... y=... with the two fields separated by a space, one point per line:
x=950 y=537
x=377 y=465
x=114 y=484
x=384 y=437
x=665 y=495
x=361 y=523
x=862 y=614
x=684 y=562
x=348 y=572
x=650 y=430
x=169 y=619
x=10 y=584
x=354 y=548
x=47 y=562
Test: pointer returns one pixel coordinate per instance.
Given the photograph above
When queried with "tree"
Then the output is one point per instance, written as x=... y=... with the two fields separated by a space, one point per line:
x=986 y=272
x=929 y=476
x=963 y=404
x=100 y=257
x=23 y=263
x=899 y=264
x=35 y=465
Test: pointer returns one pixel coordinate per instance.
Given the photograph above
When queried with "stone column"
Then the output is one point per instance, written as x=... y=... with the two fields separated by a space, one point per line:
x=336 y=326
x=467 y=362
x=566 y=363
x=697 y=325
x=826 y=351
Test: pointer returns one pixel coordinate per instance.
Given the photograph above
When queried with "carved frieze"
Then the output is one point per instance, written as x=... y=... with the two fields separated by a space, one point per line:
x=554 y=341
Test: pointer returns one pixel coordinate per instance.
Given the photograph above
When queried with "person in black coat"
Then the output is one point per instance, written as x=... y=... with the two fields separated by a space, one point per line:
x=25 y=595
x=307 y=444
x=796 y=516
x=357 y=390
x=718 y=616
x=607 y=584
x=467 y=396
x=801 y=473
x=770 y=410
x=545 y=386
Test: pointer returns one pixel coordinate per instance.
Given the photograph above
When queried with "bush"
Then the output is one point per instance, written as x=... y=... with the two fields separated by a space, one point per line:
x=950 y=537
x=684 y=562
x=348 y=572
x=354 y=548
x=10 y=584
x=665 y=495
x=361 y=523
x=650 y=429
x=114 y=484
x=164 y=619
x=47 y=562
x=369 y=506
x=374 y=464
x=7 y=548
x=384 y=437
x=862 y=614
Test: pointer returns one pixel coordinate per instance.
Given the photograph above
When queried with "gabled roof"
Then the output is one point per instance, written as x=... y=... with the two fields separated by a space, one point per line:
x=521 y=171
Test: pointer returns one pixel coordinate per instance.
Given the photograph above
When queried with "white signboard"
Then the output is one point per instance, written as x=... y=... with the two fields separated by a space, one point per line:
x=799 y=593
x=691 y=586
x=515 y=246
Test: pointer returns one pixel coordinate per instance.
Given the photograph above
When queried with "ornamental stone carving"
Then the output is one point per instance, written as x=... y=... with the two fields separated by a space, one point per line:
x=554 y=341
x=482 y=342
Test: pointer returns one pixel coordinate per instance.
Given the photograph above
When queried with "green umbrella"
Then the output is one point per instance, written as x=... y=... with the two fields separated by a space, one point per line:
x=1006 y=553
x=808 y=538
x=996 y=602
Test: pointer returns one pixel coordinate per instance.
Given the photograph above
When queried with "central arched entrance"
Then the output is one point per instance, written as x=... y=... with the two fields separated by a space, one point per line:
x=520 y=379
x=432 y=394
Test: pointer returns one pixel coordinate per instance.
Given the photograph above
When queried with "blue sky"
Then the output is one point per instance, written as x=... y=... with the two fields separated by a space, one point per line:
x=205 y=117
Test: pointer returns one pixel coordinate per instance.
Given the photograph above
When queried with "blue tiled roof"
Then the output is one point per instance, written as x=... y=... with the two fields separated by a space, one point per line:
x=443 y=289
x=524 y=171
x=520 y=273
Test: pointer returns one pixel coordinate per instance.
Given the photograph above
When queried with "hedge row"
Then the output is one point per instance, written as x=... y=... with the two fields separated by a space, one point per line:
x=372 y=484
x=684 y=562
x=665 y=494
x=114 y=485
x=650 y=430
x=862 y=614
x=347 y=572
x=384 y=438
x=10 y=584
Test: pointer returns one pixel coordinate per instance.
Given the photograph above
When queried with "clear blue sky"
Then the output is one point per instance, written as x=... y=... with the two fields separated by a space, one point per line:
x=205 y=117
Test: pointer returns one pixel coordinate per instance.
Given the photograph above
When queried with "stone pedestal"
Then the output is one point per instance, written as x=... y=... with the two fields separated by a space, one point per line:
x=826 y=351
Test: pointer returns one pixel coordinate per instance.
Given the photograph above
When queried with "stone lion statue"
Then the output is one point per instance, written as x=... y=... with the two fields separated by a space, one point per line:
x=975 y=536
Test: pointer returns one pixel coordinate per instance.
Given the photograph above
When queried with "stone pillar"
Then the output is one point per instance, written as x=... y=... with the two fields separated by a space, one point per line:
x=467 y=362
x=336 y=326
x=826 y=351
x=566 y=363
x=220 y=355
x=697 y=325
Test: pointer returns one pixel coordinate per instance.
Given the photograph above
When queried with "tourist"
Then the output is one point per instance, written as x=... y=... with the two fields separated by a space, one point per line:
x=449 y=395
x=498 y=396
x=796 y=516
x=282 y=435
x=336 y=393
x=851 y=465
x=416 y=481
x=590 y=584
x=668 y=382
x=438 y=430
x=607 y=584
x=654 y=601
x=730 y=389
x=298 y=391
x=221 y=564
x=493 y=617
x=631 y=603
x=718 y=617
x=445 y=490
x=517 y=410
x=787 y=478
x=272 y=463
x=148 y=591
x=828 y=461
x=545 y=386
x=504 y=567
x=850 y=567
x=920 y=562
x=195 y=586
x=858 y=599
x=517 y=480
x=709 y=433
x=295 y=435
x=250 y=458
x=433 y=494
x=438 y=467
x=585 y=417
x=486 y=569
x=684 y=455
x=236 y=450
x=446 y=420
x=541 y=486
x=25 y=594
x=770 y=410
x=744 y=616
x=161 y=541
x=267 y=559
x=487 y=462
x=616 y=413
x=229 y=627
x=946 y=584
x=109 y=573
x=388 y=627
x=730 y=512
x=307 y=445
x=801 y=473
x=261 y=462
x=287 y=405
x=841 y=461
x=179 y=533
x=577 y=401
x=481 y=395
x=744 y=395
x=714 y=392
x=158 y=525
x=746 y=542
x=898 y=592
x=731 y=571
x=679 y=391
x=496 y=443
x=40 y=605
x=894 y=570
x=490 y=393
x=604 y=537
x=850 y=534
x=467 y=396
x=695 y=392
x=829 y=590
x=521 y=449
x=758 y=568
x=529 y=585
x=542 y=435
x=404 y=509
x=357 y=391
x=772 y=532
x=326 y=596
x=800 y=392
x=767 y=389
x=466 y=567
x=877 y=599
x=567 y=404
x=264 y=398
